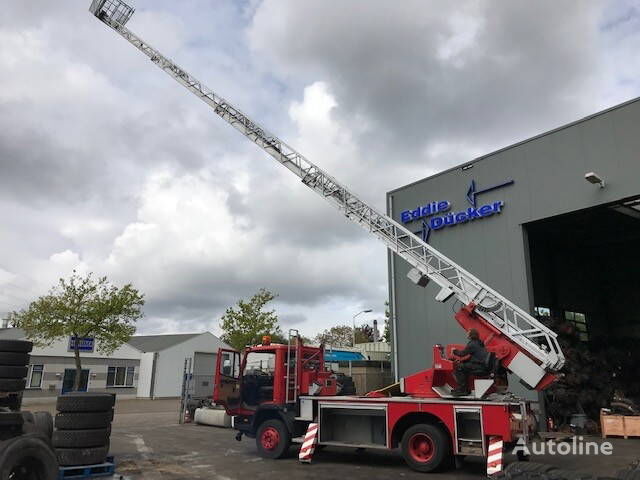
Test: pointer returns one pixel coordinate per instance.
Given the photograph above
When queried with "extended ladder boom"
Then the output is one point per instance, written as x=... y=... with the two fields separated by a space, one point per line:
x=526 y=332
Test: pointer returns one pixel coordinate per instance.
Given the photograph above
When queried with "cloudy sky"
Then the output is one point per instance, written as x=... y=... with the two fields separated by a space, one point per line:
x=107 y=165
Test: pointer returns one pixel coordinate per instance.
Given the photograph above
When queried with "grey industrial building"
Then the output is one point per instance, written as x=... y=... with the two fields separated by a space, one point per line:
x=552 y=222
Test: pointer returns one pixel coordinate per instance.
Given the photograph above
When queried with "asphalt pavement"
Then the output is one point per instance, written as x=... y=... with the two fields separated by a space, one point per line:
x=149 y=444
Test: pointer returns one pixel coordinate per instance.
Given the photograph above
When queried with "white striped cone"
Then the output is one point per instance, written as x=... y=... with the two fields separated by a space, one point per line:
x=309 y=444
x=494 y=455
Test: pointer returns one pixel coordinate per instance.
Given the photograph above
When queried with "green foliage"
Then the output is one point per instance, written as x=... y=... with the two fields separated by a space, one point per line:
x=364 y=334
x=342 y=335
x=83 y=307
x=246 y=324
x=338 y=336
x=386 y=334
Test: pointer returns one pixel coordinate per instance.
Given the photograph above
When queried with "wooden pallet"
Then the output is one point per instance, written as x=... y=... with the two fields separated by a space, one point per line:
x=105 y=469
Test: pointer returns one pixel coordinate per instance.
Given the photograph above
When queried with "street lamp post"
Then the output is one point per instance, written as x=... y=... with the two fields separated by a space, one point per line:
x=353 y=340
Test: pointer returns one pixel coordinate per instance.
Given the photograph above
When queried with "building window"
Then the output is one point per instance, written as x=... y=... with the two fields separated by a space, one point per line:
x=35 y=376
x=542 y=311
x=120 y=376
x=579 y=321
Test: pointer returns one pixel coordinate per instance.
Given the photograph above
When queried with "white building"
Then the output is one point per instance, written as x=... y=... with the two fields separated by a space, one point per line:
x=147 y=366
x=52 y=369
x=162 y=362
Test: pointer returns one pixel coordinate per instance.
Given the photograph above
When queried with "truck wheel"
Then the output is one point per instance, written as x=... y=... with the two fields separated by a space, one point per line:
x=273 y=439
x=27 y=457
x=12 y=384
x=14 y=359
x=425 y=447
x=20 y=346
x=81 y=456
x=80 y=438
x=13 y=371
x=85 y=402
x=83 y=421
x=39 y=423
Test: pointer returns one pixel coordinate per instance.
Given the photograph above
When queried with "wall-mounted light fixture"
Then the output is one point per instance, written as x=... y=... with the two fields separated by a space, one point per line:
x=594 y=178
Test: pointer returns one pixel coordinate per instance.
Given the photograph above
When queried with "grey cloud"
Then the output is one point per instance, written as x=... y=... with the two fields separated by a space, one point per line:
x=291 y=319
x=413 y=92
x=528 y=66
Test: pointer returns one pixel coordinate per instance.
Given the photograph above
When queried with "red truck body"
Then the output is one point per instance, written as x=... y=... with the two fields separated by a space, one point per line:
x=274 y=392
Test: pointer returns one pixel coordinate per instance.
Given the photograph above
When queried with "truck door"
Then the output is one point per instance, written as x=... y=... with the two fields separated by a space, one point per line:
x=227 y=387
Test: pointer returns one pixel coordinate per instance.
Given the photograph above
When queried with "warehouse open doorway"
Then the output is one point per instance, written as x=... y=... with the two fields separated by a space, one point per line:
x=585 y=282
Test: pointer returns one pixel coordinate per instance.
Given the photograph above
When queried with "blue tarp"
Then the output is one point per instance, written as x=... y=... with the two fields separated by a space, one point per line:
x=342 y=356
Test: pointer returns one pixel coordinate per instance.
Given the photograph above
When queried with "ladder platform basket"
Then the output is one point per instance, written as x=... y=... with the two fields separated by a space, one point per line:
x=114 y=10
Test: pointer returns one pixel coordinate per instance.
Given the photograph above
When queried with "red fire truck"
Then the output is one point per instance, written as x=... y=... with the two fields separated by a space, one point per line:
x=275 y=392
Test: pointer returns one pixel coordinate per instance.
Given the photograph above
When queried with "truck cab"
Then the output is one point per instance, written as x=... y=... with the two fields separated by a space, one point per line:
x=264 y=382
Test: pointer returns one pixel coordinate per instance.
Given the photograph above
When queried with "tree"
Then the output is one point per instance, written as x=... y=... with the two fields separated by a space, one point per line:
x=248 y=323
x=386 y=336
x=338 y=336
x=83 y=307
x=364 y=334
x=342 y=335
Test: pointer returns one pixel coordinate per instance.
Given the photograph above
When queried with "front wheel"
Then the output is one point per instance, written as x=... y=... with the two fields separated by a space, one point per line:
x=273 y=439
x=426 y=448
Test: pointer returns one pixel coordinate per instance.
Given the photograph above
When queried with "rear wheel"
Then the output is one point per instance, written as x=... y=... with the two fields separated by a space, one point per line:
x=273 y=439
x=27 y=457
x=426 y=448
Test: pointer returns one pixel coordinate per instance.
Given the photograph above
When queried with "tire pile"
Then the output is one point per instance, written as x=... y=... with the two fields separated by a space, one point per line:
x=543 y=471
x=83 y=428
x=14 y=365
x=25 y=437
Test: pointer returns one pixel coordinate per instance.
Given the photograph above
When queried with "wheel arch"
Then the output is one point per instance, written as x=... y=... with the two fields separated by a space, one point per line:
x=272 y=413
x=415 y=418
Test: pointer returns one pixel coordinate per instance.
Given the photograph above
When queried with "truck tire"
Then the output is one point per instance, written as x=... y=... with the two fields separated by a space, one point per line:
x=80 y=438
x=13 y=402
x=44 y=423
x=29 y=457
x=273 y=439
x=85 y=402
x=83 y=420
x=13 y=371
x=68 y=457
x=11 y=419
x=12 y=384
x=426 y=447
x=14 y=358
x=38 y=423
x=20 y=346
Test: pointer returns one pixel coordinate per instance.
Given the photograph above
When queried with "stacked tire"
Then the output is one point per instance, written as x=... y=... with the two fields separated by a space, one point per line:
x=83 y=428
x=14 y=365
